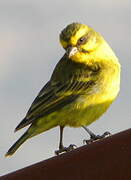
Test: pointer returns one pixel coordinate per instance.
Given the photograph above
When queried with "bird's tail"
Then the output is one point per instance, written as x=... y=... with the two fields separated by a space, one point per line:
x=18 y=143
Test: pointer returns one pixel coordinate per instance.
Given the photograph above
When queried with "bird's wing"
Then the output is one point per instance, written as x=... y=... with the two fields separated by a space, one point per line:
x=53 y=97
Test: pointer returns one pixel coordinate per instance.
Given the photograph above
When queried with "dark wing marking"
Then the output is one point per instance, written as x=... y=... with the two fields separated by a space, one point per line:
x=53 y=97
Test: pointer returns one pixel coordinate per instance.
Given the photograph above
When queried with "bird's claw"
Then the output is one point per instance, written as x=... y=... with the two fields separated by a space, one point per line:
x=66 y=149
x=96 y=137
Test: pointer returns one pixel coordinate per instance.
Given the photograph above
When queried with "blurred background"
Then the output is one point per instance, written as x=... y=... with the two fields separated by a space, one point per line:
x=30 y=49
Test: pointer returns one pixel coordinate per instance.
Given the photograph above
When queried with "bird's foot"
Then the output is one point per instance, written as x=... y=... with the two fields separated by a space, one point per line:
x=94 y=137
x=65 y=149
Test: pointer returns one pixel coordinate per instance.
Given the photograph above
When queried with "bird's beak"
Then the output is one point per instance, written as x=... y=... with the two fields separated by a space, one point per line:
x=71 y=51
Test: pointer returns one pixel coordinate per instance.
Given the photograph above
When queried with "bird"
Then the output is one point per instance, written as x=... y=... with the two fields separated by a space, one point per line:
x=83 y=85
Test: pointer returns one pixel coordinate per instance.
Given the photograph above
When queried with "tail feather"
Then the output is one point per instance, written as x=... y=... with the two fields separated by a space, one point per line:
x=18 y=143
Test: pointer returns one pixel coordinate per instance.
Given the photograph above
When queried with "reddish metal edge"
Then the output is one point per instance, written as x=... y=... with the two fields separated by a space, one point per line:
x=106 y=159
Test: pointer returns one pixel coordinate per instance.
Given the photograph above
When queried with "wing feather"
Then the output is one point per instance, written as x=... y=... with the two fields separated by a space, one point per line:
x=53 y=97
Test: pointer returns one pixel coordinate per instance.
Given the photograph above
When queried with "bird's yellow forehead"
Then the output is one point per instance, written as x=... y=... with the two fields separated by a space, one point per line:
x=81 y=32
x=72 y=38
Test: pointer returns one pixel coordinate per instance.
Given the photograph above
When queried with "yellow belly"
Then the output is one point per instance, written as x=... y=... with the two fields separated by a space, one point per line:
x=79 y=114
x=84 y=110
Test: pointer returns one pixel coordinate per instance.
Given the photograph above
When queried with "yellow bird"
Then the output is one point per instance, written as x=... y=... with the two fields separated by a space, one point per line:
x=83 y=85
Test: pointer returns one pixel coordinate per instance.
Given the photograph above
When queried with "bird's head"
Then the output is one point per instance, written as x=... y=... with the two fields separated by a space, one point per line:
x=79 y=41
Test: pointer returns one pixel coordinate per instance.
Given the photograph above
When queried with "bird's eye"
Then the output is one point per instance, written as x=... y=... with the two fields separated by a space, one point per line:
x=82 y=40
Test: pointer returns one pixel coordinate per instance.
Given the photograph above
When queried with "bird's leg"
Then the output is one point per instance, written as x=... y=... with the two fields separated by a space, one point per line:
x=61 y=147
x=61 y=138
x=94 y=137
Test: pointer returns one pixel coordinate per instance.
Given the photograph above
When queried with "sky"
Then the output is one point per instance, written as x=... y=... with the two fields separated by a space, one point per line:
x=29 y=51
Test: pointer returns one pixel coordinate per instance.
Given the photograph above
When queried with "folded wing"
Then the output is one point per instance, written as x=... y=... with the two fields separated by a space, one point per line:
x=53 y=97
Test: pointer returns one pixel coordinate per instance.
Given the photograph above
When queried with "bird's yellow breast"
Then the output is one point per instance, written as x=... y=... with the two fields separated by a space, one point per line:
x=107 y=86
